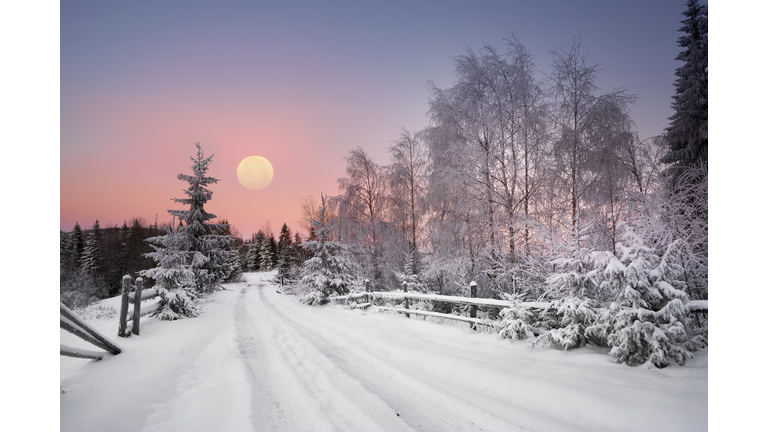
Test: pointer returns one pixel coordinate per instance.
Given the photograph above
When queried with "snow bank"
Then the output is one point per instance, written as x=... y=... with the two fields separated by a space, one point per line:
x=183 y=373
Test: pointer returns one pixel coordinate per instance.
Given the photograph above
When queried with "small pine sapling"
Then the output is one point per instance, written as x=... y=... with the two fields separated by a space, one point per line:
x=516 y=320
x=574 y=316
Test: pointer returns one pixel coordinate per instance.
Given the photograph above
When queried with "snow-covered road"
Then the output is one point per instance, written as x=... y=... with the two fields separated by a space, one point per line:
x=259 y=360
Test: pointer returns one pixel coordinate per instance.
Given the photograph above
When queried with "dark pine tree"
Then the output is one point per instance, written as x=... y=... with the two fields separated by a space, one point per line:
x=77 y=243
x=687 y=131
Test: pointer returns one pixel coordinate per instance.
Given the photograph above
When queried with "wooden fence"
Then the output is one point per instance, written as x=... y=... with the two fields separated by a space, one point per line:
x=135 y=297
x=368 y=298
x=75 y=325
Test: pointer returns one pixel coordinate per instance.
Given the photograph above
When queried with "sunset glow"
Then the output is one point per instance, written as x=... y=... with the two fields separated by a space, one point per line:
x=299 y=85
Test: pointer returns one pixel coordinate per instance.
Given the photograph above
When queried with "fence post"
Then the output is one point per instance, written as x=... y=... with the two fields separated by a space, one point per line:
x=473 y=309
x=124 y=306
x=405 y=290
x=137 y=305
x=368 y=296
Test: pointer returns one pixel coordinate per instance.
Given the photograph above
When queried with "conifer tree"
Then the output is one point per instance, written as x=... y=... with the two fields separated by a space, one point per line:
x=65 y=251
x=328 y=271
x=285 y=252
x=92 y=253
x=77 y=244
x=687 y=132
x=267 y=254
x=253 y=258
x=194 y=257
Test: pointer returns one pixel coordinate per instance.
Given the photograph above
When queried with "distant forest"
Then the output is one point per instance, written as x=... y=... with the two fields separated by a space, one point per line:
x=93 y=261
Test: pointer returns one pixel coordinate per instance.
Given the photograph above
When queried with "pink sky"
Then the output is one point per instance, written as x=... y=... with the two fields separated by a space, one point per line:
x=299 y=84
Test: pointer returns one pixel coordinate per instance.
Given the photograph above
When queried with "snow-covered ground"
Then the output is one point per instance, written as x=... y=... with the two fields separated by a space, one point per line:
x=258 y=360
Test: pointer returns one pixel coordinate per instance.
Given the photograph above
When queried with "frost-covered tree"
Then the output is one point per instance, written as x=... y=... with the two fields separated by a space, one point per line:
x=361 y=208
x=253 y=257
x=407 y=188
x=648 y=320
x=195 y=257
x=174 y=277
x=328 y=271
x=586 y=122
x=92 y=252
x=267 y=254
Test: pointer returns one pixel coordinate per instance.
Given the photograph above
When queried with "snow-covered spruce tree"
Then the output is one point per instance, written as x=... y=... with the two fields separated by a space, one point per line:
x=193 y=258
x=92 y=253
x=328 y=271
x=654 y=324
x=174 y=278
x=267 y=253
x=571 y=318
x=515 y=320
x=253 y=257
x=649 y=321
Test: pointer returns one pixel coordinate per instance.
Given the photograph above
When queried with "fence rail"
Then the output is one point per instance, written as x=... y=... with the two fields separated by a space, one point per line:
x=78 y=327
x=694 y=306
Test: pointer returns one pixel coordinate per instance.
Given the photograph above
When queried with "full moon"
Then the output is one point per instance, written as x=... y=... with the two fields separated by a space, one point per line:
x=255 y=172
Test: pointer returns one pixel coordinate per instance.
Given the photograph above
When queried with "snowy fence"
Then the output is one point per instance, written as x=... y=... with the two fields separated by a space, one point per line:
x=135 y=297
x=75 y=325
x=369 y=298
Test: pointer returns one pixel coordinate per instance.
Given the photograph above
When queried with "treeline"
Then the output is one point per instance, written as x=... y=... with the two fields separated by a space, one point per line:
x=94 y=261
x=527 y=183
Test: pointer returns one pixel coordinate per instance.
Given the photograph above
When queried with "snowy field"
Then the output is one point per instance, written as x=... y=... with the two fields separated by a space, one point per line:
x=258 y=360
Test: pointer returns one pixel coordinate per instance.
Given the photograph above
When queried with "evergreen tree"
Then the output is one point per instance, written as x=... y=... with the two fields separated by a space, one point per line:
x=285 y=238
x=92 y=252
x=328 y=271
x=687 y=132
x=77 y=244
x=285 y=252
x=174 y=277
x=253 y=258
x=195 y=257
x=267 y=254
x=65 y=252
x=125 y=236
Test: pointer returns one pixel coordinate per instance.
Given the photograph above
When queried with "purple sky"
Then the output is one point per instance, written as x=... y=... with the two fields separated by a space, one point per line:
x=299 y=83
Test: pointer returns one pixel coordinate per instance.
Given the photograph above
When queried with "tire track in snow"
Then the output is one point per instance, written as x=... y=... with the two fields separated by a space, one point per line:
x=421 y=405
x=295 y=387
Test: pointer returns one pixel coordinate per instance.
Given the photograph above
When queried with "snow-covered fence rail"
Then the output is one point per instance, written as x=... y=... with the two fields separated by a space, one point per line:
x=137 y=312
x=75 y=325
x=369 y=298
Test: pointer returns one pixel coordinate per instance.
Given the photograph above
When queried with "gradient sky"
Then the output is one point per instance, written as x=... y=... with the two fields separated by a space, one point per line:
x=300 y=83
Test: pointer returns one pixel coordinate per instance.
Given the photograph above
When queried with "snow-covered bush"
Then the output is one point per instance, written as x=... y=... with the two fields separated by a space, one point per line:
x=639 y=335
x=516 y=321
x=573 y=317
x=648 y=321
x=176 y=304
